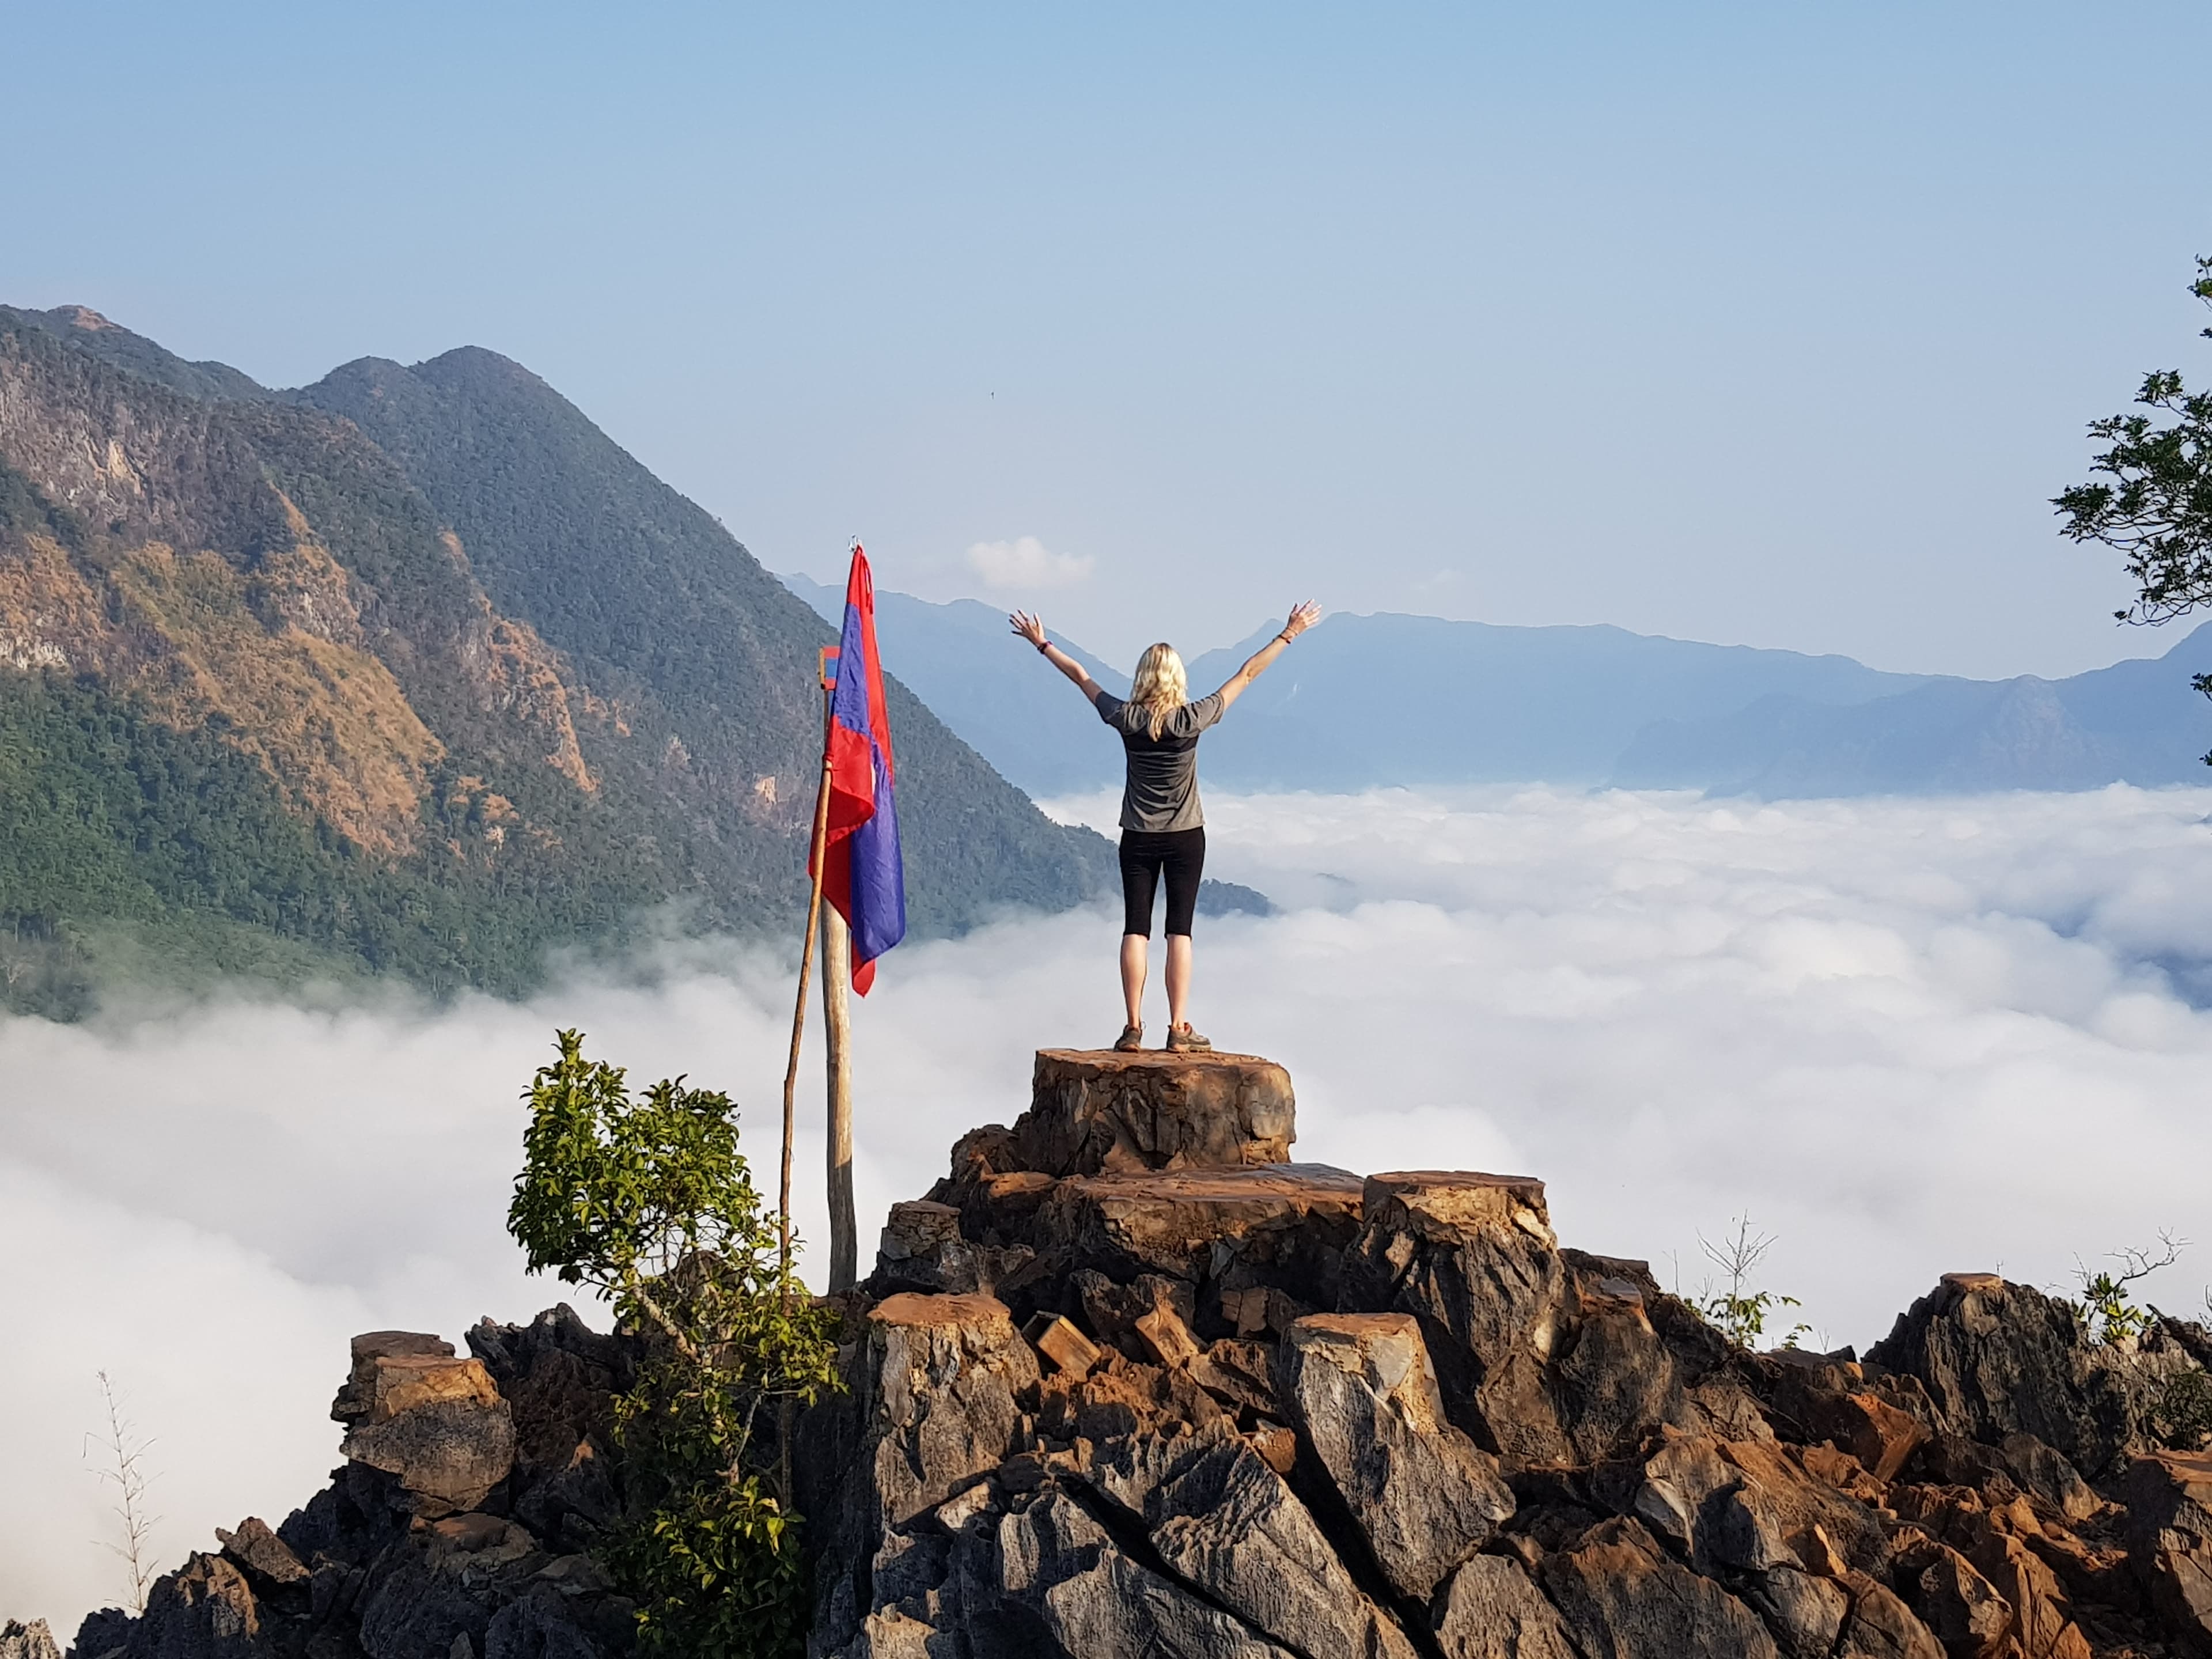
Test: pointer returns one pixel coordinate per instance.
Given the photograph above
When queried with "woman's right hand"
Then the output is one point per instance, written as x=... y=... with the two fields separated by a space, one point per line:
x=1304 y=615
x=1028 y=628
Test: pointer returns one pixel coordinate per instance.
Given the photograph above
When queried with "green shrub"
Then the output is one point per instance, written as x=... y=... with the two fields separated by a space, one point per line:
x=647 y=1200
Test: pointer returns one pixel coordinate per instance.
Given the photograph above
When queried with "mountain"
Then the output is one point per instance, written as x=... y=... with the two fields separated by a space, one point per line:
x=1361 y=701
x=414 y=672
x=983 y=684
x=2137 y=722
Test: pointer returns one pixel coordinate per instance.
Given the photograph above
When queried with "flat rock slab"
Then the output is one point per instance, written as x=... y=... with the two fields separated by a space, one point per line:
x=1095 y=1112
x=1173 y=1221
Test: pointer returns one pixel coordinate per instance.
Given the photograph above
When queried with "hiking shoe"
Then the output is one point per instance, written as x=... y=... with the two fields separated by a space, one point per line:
x=1182 y=1040
x=1130 y=1040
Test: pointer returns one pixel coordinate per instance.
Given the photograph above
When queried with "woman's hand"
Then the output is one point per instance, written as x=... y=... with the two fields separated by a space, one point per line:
x=1304 y=615
x=1028 y=628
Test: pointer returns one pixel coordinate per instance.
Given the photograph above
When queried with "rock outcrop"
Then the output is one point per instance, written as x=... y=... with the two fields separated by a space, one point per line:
x=1129 y=1381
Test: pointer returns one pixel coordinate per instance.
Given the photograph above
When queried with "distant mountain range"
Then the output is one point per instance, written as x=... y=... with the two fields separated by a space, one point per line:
x=1367 y=701
x=411 y=671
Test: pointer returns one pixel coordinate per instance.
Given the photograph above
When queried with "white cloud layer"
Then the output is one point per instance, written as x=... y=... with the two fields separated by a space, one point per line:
x=1027 y=565
x=1907 y=1038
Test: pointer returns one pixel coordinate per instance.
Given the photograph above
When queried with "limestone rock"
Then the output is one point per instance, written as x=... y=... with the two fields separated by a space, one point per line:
x=1622 y=1598
x=1284 y=1225
x=31 y=1641
x=2169 y=1535
x=260 y=1551
x=1103 y=1112
x=1473 y=1258
x=1226 y=1521
x=1998 y=1358
x=1361 y=1388
x=356 y=1398
x=204 y=1610
x=448 y=1455
x=1880 y=1626
x=1491 y=1610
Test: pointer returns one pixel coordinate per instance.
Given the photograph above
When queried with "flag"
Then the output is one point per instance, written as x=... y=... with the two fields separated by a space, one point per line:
x=862 y=873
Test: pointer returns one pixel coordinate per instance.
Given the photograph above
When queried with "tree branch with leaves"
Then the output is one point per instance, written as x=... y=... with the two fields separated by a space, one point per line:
x=647 y=1200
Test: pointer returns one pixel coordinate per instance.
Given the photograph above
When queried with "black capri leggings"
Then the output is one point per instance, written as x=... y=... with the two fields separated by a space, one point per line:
x=1182 y=854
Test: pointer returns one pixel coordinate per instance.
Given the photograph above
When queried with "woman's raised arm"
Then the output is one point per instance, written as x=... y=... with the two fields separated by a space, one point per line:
x=1304 y=615
x=1033 y=630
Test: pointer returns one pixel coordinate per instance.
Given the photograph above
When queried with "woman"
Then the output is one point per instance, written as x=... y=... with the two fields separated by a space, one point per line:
x=1162 y=830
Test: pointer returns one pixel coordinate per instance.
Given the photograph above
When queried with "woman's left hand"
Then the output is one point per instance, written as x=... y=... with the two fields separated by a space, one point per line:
x=1304 y=615
x=1028 y=628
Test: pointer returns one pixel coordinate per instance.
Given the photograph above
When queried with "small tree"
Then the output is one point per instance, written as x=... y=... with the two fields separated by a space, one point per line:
x=648 y=1200
x=2106 y=1307
x=2154 y=502
x=1740 y=1312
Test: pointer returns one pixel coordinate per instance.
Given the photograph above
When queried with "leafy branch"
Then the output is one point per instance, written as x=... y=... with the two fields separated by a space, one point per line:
x=1739 y=1312
x=2107 y=1309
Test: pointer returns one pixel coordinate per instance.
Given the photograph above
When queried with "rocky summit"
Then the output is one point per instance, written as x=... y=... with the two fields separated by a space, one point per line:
x=1129 y=1381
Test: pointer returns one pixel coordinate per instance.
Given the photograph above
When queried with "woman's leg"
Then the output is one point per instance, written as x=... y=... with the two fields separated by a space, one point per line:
x=1178 y=976
x=1185 y=865
x=1140 y=876
x=1134 y=968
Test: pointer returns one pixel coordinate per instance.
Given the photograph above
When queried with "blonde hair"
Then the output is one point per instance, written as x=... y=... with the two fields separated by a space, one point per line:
x=1159 y=687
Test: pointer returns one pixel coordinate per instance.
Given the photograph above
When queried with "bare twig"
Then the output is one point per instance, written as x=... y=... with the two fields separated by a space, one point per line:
x=124 y=1465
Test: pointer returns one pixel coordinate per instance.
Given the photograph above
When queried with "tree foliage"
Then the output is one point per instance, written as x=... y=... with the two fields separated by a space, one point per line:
x=2153 y=501
x=648 y=1198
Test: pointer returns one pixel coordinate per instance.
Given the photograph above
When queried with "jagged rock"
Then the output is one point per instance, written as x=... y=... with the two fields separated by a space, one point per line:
x=2041 y=1470
x=1283 y=1225
x=1998 y=1358
x=261 y=1551
x=559 y=1377
x=1094 y=1112
x=31 y=1641
x=447 y=1455
x=1473 y=1258
x=1953 y=1600
x=1069 y=1351
x=1880 y=1626
x=204 y=1610
x=1622 y=1598
x=1062 y=1586
x=1222 y=1520
x=2169 y=1534
x=1361 y=1388
x=447 y=1581
x=1491 y=1610
x=354 y=1399
x=933 y=1406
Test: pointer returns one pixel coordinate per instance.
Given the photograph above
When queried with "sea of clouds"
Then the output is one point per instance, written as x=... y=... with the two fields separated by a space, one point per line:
x=1903 y=1037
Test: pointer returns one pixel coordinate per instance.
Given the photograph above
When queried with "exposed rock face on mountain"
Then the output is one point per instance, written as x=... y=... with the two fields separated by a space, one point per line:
x=432 y=699
x=1174 y=1394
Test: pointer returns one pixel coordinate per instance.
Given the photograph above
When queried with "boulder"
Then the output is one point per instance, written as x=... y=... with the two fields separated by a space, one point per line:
x=2169 y=1538
x=1361 y=1390
x=203 y=1610
x=1283 y=1225
x=1473 y=1258
x=1103 y=1112
x=447 y=1455
x=1998 y=1358
x=31 y=1641
x=1221 y=1519
x=1880 y=1626
x=262 y=1553
x=1491 y=1610
x=1620 y=1597
x=356 y=1398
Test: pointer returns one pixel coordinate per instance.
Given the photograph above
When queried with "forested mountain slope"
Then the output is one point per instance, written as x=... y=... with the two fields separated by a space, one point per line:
x=262 y=706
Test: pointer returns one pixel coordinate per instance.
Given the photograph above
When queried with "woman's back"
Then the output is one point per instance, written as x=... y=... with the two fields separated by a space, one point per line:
x=1161 y=793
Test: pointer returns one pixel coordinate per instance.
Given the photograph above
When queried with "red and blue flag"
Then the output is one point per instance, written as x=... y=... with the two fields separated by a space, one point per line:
x=862 y=874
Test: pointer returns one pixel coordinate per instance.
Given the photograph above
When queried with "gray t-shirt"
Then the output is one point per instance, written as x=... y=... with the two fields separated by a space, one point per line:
x=1162 y=793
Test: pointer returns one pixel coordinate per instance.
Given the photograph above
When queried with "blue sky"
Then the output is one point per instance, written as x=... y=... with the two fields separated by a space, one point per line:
x=1765 y=324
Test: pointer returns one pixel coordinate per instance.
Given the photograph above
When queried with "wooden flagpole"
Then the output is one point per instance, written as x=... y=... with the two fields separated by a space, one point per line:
x=817 y=860
x=836 y=982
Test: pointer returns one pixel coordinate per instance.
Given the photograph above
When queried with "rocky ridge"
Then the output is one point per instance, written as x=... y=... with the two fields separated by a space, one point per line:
x=1128 y=1380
